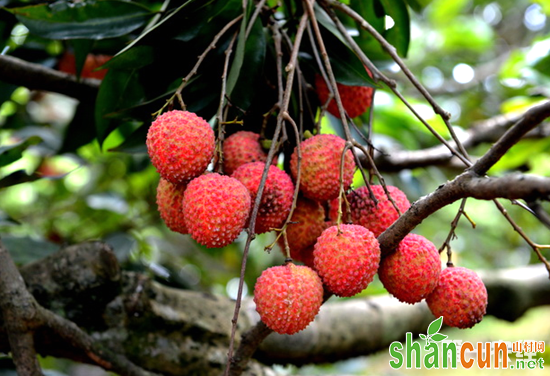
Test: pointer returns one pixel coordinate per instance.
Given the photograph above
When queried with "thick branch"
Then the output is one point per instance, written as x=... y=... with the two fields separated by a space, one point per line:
x=530 y=120
x=489 y=130
x=468 y=184
x=34 y=76
x=17 y=308
x=511 y=187
x=371 y=324
x=176 y=332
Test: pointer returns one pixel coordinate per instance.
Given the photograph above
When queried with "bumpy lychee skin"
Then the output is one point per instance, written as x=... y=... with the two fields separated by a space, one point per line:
x=320 y=167
x=240 y=148
x=365 y=213
x=180 y=145
x=346 y=261
x=169 y=202
x=276 y=198
x=411 y=272
x=288 y=297
x=215 y=208
x=460 y=297
x=307 y=224
x=355 y=99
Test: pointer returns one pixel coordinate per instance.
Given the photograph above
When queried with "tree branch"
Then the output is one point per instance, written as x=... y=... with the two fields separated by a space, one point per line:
x=372 y=324
x=37 y=77
x=177 y=332
x=468 y=184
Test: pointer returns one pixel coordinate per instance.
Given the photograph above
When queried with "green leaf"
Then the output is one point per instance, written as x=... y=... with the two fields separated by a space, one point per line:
x=135 y=142
x=347 y=67
x=251 y=67
x=120 y=89
x=18 y=177
x=237 y=63
x=438 y=337
x=422 y=336
x=157 y=26
x=435 y=326
x=81 y=49
x=543 y=65
x=418 y=5
x=83 y=20
x=399 y=35
x=81 y=129
x=134 y=58
x=11 y=153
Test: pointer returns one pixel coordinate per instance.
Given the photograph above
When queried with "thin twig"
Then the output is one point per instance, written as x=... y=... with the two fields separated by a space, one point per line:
x=201 y=58
x=290 y=69
x=518 y=229
x=219 y=115
x=393 y=53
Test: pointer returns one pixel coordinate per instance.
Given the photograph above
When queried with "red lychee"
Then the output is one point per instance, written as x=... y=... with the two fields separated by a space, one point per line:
x=307 y=224
x=460 y=297
x=288 y=297
x=276 y=198
x=240 y=148
x=180 y=145
x=169 y=202
x=412 y=271
x=215 y=208
x=365 y=213
x=347 y=260
x=67 y=64
x=355 y=99
x=320 y=167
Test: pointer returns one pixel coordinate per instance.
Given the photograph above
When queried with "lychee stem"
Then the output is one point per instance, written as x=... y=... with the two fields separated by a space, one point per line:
x=341 y=192
x=290 y=68
x=219 y=116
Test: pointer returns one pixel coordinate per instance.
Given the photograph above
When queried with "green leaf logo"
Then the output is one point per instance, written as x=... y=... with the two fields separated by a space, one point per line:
x=433 y=335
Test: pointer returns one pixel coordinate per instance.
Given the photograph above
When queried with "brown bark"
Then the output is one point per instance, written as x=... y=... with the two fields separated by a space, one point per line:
x=174 y=332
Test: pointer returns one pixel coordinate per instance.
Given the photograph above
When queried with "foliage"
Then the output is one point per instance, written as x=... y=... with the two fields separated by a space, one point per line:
x=75 y=171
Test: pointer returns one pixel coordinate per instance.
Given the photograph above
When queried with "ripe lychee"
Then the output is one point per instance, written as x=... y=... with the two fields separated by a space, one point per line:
x=67 y=64
x=412 y=271
x=306 y=225
x=355 y=99
x=288 y=297
x=347 y=260
x=215 y=208
x=169 y=202
x=365 y=213
x=180 y=145
x=240 y=148
x=320 y=167
x=460 y=297
x=276 y=198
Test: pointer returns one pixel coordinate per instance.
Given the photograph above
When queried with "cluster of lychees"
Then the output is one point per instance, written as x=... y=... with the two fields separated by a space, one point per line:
x=214 y=209
x=211 y=207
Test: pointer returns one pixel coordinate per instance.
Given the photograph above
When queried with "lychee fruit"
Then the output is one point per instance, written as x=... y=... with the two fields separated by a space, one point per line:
x=460 y=297
x=355 y=99
x=67 y=64
x=277 y=194
x=306 y=225
x=180 y=145
x=364 y=212
x=240 y=148
x=346 y=260
x=215 y=208
x=288 y=297
x=169 y=202
x=411 y=272
x=320 y=166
